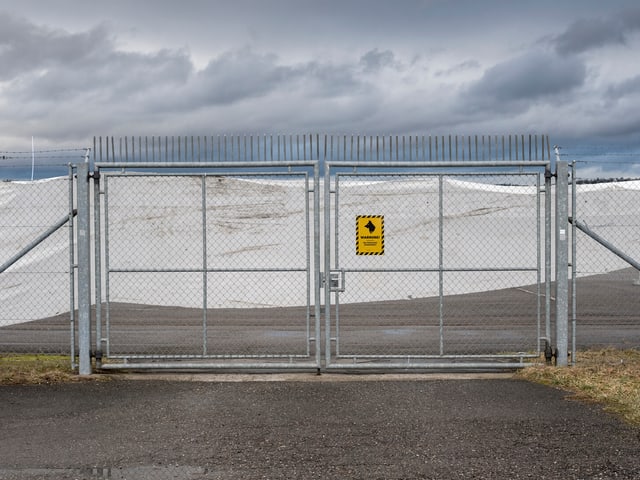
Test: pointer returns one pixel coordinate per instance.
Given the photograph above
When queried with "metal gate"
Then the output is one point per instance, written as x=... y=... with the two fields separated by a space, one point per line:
x=212 y=267
x=431 y=254
x=433 y=267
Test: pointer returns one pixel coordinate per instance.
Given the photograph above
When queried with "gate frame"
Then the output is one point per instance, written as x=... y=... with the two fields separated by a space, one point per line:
x=349 y=151
x=243 y=168
x=328 y=164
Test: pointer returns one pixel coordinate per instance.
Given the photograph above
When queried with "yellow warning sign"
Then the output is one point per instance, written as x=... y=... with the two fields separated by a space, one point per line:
x=370 y=235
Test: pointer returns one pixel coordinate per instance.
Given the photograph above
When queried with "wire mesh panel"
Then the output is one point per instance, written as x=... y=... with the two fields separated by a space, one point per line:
x=35 y=294
x=606 y=222
x=210 y=267
x=453 y=271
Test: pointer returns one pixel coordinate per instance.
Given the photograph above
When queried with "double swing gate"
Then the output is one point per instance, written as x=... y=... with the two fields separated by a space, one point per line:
x=321 y=264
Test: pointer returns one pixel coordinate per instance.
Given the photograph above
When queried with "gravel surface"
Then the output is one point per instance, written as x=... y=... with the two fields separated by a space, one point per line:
x=353 y=427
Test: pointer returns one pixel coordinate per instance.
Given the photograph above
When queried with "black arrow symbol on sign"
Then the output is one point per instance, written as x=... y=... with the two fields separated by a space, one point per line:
x=370 y=226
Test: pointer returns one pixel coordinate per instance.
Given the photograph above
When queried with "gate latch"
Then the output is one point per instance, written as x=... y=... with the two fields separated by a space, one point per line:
x=336 y=281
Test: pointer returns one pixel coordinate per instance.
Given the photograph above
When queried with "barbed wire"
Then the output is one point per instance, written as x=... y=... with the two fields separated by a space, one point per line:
x=2 y=152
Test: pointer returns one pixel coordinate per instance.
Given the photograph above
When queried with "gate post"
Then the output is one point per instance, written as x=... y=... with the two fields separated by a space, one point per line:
x=84 y=271
x=562 y=264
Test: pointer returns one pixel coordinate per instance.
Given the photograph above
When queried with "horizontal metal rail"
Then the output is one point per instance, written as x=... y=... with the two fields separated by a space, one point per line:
x=436 y=270
x=408 y=358
x=203 y=270
x=210 y=366
x=211 y=165
x=429 y=366
x=203 y=357
x=51 y=230
x=418 y=164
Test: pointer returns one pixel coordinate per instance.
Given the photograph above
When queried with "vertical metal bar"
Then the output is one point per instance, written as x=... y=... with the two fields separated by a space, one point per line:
x=475 y=137
x=456 y=146
x=538 y=259
x=316 y=260
x=573 y=262
x=327 y=260
x=84 y=270
x=72 y=269
x=441 y=260
x=107 y=267
x=547 y=252
x=97 y=254
x=204 y=265
x=562 y=260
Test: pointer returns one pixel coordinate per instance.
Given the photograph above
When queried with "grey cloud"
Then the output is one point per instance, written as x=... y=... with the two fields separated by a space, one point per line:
x=590 y=33
x=25 y=47
x=114 y=77
x=627 y=87
x=375 y=60
x=239 y=75
x=461 y=67
x=528 y=78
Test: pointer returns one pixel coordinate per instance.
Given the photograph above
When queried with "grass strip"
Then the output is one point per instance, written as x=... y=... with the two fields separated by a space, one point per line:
x=607 y=377
x=35 y=369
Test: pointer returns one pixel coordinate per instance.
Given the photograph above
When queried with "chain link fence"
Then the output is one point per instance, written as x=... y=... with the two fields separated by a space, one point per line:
x=35 y=293
x=207 y=267
x=460 y=274
x=606 y=219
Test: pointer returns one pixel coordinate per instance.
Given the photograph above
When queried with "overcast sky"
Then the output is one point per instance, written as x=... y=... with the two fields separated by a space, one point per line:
x=72 y=69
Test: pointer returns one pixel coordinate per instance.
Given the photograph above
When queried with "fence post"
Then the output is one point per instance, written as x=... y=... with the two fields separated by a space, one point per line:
x=84 y=271
x=562 y=263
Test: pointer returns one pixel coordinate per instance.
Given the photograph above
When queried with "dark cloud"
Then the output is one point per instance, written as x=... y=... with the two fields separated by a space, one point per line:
x=239 y=75
x=589 y=33
x=428 y=67
x=25 y=47
x=528 y=78
x=625 y=88
x=112 y=77
x=375 y=60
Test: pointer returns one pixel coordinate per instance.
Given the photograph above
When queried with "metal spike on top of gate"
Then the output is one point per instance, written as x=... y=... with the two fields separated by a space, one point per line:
x=316 y=146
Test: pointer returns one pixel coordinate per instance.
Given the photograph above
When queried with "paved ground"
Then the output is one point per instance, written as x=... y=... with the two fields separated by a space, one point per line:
x=305 y=426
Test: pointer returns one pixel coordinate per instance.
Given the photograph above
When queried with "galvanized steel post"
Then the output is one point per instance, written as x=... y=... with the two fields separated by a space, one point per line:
x=84 y=271
x=562 y=263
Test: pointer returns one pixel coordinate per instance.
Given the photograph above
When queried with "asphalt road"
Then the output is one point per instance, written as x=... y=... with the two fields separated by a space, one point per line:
x=307 y=427
x=475 y=324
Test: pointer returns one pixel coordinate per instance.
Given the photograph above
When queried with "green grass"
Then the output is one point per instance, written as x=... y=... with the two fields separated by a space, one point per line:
x=35 y=369
x=608 y=377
